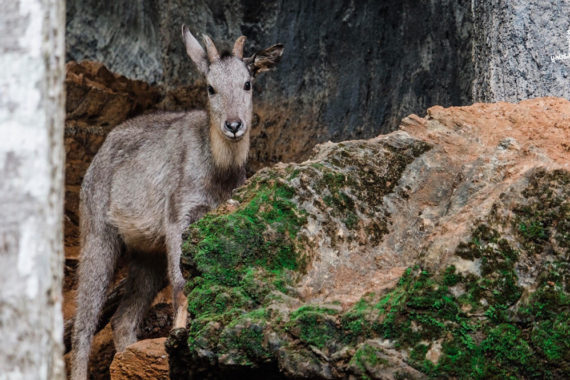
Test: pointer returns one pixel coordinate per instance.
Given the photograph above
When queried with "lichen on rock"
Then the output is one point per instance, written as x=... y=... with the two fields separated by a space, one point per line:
x=440 y=250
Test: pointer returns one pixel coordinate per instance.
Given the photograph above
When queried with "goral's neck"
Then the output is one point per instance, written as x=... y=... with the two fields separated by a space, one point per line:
x=227 y=169
x=228 y=155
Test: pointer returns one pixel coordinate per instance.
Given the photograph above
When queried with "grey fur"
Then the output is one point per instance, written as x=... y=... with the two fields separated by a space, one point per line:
x=153 y=176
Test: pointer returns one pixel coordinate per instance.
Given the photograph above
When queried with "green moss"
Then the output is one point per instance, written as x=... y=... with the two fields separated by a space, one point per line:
x=419 y=352
x=229 y=244
x=461 y=358
x=499 y=280
x=367 y=357
x=244 y=337
x=546 y=315
x=552 y=337
x=250 y=342
x=244 y=340
x=350 y=220
x=293 y=174
x=450 y=278
x=547 y=212
x=503 y=343
x=313 y=325
x=334 y=180
x=341 y=204
x=532 y=230
x=313 y=309
x=436 y=315
x=358 y=322
x=418 y=309
x=241 y=257
x=509 y=354
x=215 y=299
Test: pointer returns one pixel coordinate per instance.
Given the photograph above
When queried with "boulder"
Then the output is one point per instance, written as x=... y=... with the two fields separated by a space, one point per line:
x=439 y=250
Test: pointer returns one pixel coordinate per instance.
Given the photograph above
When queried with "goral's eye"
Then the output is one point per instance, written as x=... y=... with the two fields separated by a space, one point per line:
x=247 y=86
x=211 y=90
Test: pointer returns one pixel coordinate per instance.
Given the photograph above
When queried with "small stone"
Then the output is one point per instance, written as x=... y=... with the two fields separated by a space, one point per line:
x=434 y=352
x=146 y=359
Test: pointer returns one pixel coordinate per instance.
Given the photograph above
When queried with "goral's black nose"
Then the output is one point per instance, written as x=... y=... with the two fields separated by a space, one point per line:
x=233 y=126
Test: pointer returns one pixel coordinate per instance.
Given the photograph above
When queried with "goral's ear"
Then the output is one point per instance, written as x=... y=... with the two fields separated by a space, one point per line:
x=265 y=59
x=194 y=50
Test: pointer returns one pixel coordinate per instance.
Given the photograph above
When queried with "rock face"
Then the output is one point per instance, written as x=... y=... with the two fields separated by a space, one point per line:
x=351 y=69
x=440 y=250
x=514 y=44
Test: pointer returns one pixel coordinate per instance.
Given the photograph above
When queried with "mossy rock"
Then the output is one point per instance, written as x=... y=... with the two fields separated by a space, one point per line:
x=249 y=318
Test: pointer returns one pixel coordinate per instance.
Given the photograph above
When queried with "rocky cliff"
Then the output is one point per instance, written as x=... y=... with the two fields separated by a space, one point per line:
x=439 y=250
x=351 y=69
x=519 y=48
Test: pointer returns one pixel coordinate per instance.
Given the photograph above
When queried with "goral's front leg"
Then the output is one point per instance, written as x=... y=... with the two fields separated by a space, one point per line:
x=174 y=250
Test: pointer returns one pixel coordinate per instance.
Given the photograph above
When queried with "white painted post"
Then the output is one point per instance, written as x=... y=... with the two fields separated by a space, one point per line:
x=32 y=115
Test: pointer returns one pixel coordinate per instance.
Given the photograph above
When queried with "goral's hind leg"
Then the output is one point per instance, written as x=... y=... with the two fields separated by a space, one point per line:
x=144 y=281
x=100 y=249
